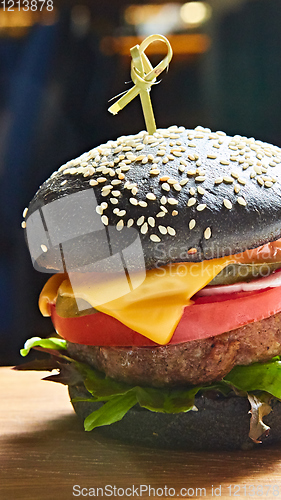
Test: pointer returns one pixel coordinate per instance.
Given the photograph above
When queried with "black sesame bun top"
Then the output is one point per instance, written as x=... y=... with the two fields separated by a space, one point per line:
x=188 y=195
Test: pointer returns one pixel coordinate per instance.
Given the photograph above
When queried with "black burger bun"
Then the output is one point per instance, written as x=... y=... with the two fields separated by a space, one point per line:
x=189 y=195
x=218 y=424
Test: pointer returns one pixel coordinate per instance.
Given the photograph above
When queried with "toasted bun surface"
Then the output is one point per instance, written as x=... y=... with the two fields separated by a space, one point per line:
x=190 y=195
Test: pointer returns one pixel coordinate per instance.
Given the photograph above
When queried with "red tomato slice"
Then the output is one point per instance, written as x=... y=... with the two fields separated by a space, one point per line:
x=207 y=317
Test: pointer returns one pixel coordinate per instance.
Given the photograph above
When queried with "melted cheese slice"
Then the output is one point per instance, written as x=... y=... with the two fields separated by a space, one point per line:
x=153 y=309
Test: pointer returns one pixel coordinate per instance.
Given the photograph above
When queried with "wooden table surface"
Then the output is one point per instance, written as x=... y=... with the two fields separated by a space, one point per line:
x=44 y=454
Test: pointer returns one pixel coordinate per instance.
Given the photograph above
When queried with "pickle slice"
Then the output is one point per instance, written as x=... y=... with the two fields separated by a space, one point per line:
x=67 y=307
x=233 y=273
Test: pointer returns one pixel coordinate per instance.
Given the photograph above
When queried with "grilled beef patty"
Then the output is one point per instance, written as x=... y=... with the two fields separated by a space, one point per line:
x=190 y=363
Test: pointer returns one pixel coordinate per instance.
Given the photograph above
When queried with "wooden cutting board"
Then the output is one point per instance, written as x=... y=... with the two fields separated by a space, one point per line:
x=46 y=455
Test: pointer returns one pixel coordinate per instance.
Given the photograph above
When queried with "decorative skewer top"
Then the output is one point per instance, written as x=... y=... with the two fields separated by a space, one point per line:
x=144 y=76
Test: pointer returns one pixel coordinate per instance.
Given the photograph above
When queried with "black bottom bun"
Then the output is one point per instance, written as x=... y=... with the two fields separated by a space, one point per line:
x=219 y=424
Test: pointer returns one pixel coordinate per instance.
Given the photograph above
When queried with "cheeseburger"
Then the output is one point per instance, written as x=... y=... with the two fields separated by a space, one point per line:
x=165 y=259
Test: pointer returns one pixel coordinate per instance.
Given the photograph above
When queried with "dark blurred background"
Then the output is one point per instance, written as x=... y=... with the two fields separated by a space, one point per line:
x=60 y=66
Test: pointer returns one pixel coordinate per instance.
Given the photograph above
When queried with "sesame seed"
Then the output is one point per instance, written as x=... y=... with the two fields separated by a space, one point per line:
x=106 y=192
x=151 y=196
x=140 y=220
x=133 y=201
x=164 y=209
x=183 y=182
x=120 y=225
x=162 y=229
x=99 y=210
x=257 y=169
x=116 y=210
x=101 y=179
x=192 y=251
x=172 y=201
x=154 y=171
x=198 y=163
x=121 y=213
x=144 y=228
x=104 y=220
x=211 y=156
x=163 y=200
x=237 y=188
x=23 y=224
x=191 y=157
x=104 y=205
x=201 y=207
x=201 y=190
x=161 y=153
x=176 y=153
x=200 y=178
x=183 y=162
x=207 y=233
x=192 y=191
x=25 y=212
x=93 y=182
x=241 y=181
x=121 y=176
x=224 y=162
x=191 y=145
x=171 y=231
x=191 y=202
x=142 y=203
x=227 y=204
x=164 y=178
x=140 y=158
x=151 y=221
x=268 y=184
x=227 y=180
x=134 y=190
x=114 y=201
x=174 y=212
x=219 y=180
x=192 y=223
x=44 y=248
x=116 y=193
x=165 y=186
x=241 y=201
x=177 y=187
x=155 y=238
x=165 y=160
x=160 y=214
x=130 y=222
x=260 y=181
x=234 y=175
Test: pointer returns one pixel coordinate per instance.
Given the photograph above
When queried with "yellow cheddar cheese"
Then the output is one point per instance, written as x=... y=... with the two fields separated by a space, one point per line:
x=153 y=309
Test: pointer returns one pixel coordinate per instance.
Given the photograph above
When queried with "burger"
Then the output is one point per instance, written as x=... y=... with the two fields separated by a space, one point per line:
x=165 y=258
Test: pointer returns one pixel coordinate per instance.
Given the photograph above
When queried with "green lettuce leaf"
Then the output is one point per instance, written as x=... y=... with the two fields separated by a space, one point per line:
x=257 y=377
x=112 y=411
x=50 y=343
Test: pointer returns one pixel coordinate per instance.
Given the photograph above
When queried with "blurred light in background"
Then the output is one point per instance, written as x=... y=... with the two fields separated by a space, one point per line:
x=16 y=23
x=195 y=13
x=80 y=20
x=167 y=17
x=183 y=44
